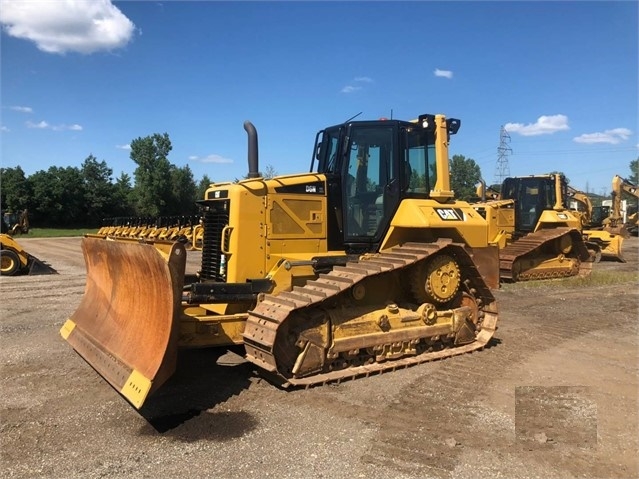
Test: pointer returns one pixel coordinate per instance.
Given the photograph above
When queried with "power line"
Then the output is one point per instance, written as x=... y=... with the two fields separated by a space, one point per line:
x=502 y=169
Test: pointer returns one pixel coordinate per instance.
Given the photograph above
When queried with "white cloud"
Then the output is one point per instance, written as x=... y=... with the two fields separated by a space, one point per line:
x=4 y=128
x=210 y=159
x=613 y=137
x=43 y=125
x=545 y=125
x=123 y=147
x=22 y=109
x=351 y=88
x=61 y=26
x=443 y=73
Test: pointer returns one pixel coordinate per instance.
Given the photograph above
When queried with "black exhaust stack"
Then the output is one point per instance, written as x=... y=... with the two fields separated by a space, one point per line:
x=254 y=170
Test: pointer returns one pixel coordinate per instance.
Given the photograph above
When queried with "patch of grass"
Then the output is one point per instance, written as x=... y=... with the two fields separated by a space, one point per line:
x=56 y=232
x=596 y=278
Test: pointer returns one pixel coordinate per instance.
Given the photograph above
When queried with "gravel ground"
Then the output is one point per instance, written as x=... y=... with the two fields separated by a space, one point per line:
x=554 y=396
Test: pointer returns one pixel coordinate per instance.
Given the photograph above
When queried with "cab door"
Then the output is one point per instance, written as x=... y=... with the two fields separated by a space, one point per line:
x=371 y=183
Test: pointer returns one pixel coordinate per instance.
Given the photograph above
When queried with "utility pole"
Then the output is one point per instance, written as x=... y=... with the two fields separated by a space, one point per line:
x=502 y=170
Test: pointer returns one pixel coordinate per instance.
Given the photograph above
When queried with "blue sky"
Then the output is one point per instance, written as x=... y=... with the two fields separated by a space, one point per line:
x=88 y=77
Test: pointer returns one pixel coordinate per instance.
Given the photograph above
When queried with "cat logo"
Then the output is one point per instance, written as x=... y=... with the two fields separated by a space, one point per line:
x=448 y=214
x=562 y=216
x=311 y=189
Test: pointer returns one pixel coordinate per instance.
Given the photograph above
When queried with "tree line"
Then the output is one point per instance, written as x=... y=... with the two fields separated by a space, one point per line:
x=83 y=197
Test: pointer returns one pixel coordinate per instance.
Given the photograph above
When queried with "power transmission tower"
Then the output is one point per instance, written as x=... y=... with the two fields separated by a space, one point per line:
x=503 y=150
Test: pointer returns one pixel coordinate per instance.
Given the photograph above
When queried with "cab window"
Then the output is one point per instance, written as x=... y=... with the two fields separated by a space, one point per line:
x=419 y=169
x=326 y=154
x=368 y=169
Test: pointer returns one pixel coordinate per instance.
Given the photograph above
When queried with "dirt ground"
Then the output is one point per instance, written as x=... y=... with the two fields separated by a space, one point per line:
x=554 y=396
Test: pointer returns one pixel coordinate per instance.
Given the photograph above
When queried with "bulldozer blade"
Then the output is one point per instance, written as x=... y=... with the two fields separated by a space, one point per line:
x=612 y=250
x=487 y=261
x=38 y=267
x=125 y=326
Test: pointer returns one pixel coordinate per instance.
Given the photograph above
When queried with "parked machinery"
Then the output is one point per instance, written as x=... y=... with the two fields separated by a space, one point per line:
x=364 y=264
x=610 y=243
x=185 y=228
x=17 y=223
x=538 y=236
x=615 y=222
x=15 y=260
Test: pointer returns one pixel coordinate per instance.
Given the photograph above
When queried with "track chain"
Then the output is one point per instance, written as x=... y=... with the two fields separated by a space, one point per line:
x=268 y=316
x=527 y=244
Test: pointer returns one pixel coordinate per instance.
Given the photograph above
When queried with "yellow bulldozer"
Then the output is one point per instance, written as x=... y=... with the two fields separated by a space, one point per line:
x=365 y=264
x=609 y=242
x=538 y=236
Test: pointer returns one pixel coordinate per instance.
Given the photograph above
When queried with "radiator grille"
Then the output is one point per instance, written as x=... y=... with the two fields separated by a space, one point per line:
x=215 y=219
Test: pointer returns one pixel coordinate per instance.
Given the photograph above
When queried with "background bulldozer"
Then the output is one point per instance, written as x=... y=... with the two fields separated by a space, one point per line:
x=538 y=236
x=364 y=264
x=609 y=242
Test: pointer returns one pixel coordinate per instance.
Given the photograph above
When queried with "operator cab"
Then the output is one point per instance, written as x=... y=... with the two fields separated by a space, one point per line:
x=370 y=167
x=532 y=196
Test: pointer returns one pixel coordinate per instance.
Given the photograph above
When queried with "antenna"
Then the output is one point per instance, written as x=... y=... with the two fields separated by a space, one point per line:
x=502 y=169
x=353 y=117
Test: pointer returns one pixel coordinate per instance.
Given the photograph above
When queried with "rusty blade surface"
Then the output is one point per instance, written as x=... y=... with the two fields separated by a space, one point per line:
x=126 y=326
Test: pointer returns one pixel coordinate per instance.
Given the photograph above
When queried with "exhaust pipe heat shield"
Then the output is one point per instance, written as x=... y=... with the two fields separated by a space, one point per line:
x=125 y=326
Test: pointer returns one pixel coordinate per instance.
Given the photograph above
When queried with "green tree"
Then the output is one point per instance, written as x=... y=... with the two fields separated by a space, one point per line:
x=464 y=176
x=269 y=172
x=202 y=186
x=123 y=197
x=634 y=172
x=153 y=185
x=99 y=191
x=59 y=195
x=184 y=192
x=15 y=190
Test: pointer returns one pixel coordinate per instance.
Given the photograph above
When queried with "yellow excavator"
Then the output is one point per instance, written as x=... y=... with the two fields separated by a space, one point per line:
x=609 y=242
x=614 y=223
x=538 y=236
x=365 y=264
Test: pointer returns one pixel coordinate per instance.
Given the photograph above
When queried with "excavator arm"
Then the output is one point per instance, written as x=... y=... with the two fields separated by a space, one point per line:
x=614 y=222
x=585 y=205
